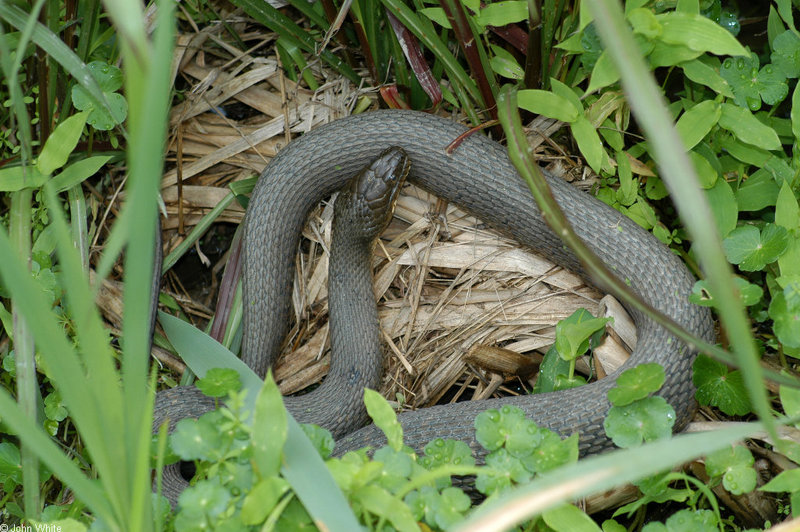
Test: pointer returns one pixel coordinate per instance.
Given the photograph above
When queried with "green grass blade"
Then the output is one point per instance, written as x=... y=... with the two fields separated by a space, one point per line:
x=148 y=90
x=596 y=474
x=196 y=233
x=302 y=465
x=285 y=27
x=647 y=103
x=27 y=384
x=102 y=431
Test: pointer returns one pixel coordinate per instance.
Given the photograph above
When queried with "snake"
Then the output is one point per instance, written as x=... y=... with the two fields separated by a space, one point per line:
x=478 y=176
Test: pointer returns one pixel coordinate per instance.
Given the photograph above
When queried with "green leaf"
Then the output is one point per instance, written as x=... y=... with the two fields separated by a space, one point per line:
x=495 y=426
x=604 y=73
x=749 y=293
x=694 y=124
x=786 y=481
x=218 y=382
x=787 y=215
x=270 y=428
x=10 y=465
x=795 y=112
x=439 y=452
x=503 y=471
x=698 y=33
x=686 y=521
x=384 y=417
x=78 y=172
x=207 y=497
x=786 y=53
x=747 y=127
x=503 y=13
x=589 y=142
x=569 y=518
x=723 y=206
x=195 y=439
x=551 y=451
x=261 y=500
x=644 y=22
x=772 y=85
x=379 y=502
x=720 y=387
x=54 y=407
x=109 y=78
x=60 y=144
x=548 y=104
x=397 y=467
x=16 y=178
x=705 y=172
x=699 y=72
x=752 y=249
x=786 y=317
x=551 y=367
x=648 y=419
x=101 y=118
x=741 y=73
x=574 y=332
x=637 y=383
x=320 y=438
x=735 y=466
x=790 y=400
x=437 y=15
x=504 y=64
x=759 y=191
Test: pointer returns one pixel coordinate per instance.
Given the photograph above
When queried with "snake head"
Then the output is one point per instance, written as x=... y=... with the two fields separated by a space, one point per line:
x=367 y=202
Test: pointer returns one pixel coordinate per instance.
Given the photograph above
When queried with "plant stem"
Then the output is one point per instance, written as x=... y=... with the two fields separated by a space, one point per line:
x=27 y=385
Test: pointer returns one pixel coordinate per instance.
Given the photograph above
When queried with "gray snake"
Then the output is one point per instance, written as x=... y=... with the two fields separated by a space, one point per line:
x=479 y=177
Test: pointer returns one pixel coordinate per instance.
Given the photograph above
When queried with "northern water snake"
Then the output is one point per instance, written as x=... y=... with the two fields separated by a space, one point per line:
x=479 y=177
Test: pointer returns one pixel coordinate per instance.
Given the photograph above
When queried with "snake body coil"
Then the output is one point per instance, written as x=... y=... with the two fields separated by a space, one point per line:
x=479 y=177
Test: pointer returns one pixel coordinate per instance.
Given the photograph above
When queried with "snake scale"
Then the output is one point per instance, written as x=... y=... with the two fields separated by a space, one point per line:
x=479 y=177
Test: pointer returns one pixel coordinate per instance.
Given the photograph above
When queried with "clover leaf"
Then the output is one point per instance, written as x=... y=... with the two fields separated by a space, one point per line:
x=784 y=309
x=685 y=521
x=218 y=382
x=772 y=85
x=741 y=73
x=54 y=407
x=439 y=452
x=648 y=419
x=503 y=471
x=551 y=452
x=786 y=53
x=397 y=467
x=750 y=85
x=749 y=293
x=195 y=439
x=493 y=427
x=636 y=383
x=735 y=466
x=109 y=78
x=718 y=386
x=752 y=249
x=207 y=498
x=442 y=510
